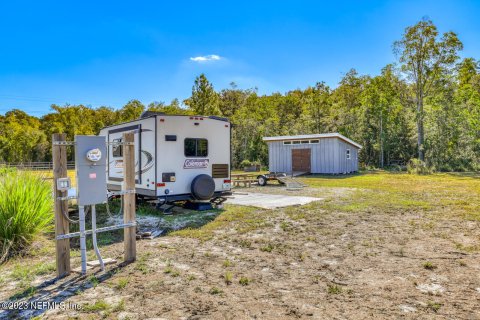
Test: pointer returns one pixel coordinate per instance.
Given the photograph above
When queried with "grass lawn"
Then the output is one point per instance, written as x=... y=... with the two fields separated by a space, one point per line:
x=48 y=174
x=377 y=245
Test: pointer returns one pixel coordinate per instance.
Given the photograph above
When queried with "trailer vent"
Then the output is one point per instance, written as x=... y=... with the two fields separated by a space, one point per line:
x=220 y=171
x=170 y=137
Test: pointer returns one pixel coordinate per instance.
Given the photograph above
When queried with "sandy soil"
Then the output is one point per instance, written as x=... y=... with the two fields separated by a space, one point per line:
x=300 y=263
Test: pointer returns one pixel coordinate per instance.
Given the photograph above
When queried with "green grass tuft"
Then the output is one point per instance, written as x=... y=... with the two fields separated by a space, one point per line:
x=228 y=276
x=434 y=306
x=429 y=266
x=334 y=289
x=26 y=209
x=214 y=291
x=268 y=248
x=122 y=283
x=227 y=263
x=244 y=281
x=99 y=305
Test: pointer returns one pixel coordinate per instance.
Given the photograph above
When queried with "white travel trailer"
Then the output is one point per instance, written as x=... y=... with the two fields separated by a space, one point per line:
x=177 y=157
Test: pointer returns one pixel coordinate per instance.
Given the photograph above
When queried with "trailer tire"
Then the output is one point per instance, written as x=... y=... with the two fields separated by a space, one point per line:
x=203 y=187
x=262 y=181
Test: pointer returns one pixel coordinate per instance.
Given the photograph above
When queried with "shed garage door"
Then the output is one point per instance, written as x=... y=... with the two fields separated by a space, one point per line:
x=301 y=160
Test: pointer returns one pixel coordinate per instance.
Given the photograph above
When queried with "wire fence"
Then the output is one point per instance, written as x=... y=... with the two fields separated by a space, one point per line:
x=34 y=165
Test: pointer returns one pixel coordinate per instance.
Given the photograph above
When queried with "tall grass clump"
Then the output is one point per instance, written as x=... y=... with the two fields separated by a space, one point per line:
x=26 y=209
x=4 y=170
x=417 y=166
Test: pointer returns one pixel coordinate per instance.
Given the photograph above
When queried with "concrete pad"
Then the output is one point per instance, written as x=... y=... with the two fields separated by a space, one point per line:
x=269 y=201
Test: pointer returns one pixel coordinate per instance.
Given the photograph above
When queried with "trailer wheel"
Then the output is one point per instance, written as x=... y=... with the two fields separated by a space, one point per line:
x=203 y=187
x=262 y=181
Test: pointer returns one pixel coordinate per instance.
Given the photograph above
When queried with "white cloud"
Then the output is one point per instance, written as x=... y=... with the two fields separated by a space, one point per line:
x=210 y=57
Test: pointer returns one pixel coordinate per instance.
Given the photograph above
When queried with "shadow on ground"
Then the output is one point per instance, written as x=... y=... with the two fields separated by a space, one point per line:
x=57 y=291
x=54 y=291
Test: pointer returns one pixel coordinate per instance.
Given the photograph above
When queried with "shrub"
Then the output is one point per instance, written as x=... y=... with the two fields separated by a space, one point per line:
x=417 y=166
x=245 y=163
x=396 y=168
x=25 y=210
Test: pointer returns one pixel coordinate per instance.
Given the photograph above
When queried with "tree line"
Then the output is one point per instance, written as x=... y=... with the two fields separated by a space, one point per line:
x=425 y=105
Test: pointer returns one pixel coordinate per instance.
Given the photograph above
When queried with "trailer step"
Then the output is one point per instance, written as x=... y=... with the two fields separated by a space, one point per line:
x=298 y=173
x=291 y=183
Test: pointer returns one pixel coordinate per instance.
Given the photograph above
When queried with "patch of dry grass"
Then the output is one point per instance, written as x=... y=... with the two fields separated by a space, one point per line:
x=242 y=219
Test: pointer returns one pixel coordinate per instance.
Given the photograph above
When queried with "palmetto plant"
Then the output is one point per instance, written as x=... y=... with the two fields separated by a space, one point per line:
x=26 y=209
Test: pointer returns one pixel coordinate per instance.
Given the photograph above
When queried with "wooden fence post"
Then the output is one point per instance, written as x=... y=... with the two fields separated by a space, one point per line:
x=129 y=198
x=62 y=226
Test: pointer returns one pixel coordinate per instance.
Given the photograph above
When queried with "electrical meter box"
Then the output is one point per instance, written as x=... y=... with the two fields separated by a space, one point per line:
x=91 y=169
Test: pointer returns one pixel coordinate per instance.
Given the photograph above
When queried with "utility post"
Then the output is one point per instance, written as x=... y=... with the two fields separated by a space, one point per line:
x=129 y=198
x=62 y=226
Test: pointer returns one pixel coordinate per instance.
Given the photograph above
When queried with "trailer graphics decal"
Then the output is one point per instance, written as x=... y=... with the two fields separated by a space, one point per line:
x=195 y=164
x=118 y=164
x=149 y=164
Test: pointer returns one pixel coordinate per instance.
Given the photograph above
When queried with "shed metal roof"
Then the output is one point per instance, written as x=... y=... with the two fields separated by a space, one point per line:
x=313 y=136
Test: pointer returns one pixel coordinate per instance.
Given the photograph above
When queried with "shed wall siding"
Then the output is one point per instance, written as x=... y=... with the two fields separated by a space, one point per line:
x=328 y=156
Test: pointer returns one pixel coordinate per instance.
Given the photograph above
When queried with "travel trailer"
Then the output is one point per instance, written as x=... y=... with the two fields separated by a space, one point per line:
x=177 y=157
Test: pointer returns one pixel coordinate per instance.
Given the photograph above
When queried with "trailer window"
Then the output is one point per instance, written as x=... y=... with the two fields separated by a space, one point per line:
x=304 y=141
x=195 y=147
x=287 y=142
x=117 y=149
x=296 y=142
x=314 y=141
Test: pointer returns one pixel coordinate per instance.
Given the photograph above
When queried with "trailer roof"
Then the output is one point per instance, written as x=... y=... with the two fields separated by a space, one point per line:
x=161 y=114
x=313 y=136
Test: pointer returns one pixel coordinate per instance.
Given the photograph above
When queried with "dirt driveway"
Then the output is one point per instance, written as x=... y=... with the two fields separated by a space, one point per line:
x=362 y=253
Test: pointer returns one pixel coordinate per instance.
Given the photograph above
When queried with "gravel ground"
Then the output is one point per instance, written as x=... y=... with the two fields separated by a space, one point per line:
x=332 y=259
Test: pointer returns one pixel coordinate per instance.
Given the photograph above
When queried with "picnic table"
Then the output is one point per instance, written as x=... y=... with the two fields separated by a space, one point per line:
x=245 y=179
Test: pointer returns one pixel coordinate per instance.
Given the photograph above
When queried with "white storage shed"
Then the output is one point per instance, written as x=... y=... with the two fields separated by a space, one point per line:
x=329 y=153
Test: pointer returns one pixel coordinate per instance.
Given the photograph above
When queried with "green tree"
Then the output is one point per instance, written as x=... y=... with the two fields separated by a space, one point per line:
x=173 y=108
x=131 y=111
x=385 y=135
x=233 y=99
x=467 y=100
x=21 y=138
x=423 y=57
x=204 y=99
x=347 y=105
x=318 y=107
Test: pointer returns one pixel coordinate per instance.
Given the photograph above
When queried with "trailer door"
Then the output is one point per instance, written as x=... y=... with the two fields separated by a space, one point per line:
x=115 y=153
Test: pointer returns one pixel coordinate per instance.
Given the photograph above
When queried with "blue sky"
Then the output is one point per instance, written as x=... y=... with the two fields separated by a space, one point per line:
x=106 y=53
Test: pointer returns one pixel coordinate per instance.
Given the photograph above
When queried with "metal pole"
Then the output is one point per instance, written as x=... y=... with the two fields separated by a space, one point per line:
x=94 y=238
x=103 y=229
x=83 y=244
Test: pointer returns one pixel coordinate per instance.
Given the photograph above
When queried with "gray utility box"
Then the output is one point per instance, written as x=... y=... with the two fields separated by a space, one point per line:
x=91 y=169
